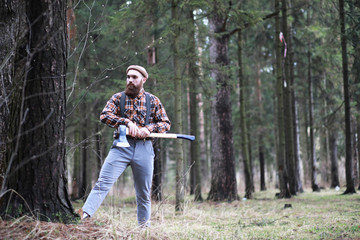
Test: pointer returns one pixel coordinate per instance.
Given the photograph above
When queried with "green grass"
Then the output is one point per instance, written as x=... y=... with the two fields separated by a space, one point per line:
x=324 y=215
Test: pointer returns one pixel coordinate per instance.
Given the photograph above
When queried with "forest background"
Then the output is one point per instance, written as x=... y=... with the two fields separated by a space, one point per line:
x=270 y=89
x=109 y=36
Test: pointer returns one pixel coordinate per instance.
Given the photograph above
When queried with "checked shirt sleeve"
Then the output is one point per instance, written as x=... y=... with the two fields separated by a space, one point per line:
x=160 y=123
x=110 y=115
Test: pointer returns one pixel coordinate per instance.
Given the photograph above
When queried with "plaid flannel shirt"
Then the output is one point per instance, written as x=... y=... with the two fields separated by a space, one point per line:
x=135 y=111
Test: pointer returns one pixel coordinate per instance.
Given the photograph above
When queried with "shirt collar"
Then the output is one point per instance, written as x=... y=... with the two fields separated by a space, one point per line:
x=141 y=93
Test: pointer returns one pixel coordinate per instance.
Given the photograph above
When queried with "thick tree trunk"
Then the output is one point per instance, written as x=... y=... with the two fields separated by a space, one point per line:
x=243 y=127
x=37 y=114
x=281 y=164
x=12 y=21
x=223 y=179
x=350 y=187
x=355 y=9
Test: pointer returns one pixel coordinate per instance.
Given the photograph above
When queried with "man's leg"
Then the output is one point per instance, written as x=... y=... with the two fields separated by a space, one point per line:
x=143 y=167
x=114 y=165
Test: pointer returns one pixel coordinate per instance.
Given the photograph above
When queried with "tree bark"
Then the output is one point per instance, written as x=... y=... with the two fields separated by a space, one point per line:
x=261 y=130
x=282 y=169
x=355 y=9
x=194 y=108
x=350 y=187
x=223 y=179
x=37 y=171
x=294 y=113
x=243 y=127
x=314 y=184
x=156 y=188
x=12 y=21
x=179 y=205
x=334 y=160
x=288 y=122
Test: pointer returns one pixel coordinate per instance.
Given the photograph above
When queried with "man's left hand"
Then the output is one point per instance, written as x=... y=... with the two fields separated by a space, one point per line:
x=143 y=133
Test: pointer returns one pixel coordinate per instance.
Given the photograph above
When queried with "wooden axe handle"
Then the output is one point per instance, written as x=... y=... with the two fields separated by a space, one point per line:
x=168 y=135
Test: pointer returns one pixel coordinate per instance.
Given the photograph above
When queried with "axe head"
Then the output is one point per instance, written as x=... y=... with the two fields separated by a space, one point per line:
x=122 y=141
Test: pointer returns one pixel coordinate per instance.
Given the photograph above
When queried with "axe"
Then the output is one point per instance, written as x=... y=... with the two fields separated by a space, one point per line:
x=122 y=131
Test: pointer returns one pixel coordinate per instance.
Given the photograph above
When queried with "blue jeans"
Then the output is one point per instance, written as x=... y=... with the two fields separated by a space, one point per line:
x=140 y=156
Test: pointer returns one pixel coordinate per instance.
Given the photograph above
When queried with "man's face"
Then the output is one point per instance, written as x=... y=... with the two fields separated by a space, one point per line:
x=134 y=83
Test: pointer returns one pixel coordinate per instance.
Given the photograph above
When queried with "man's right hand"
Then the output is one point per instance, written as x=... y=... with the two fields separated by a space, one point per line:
x=133 y=129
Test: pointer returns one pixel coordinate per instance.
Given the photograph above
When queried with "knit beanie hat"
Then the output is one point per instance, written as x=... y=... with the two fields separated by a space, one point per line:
x=139 y=69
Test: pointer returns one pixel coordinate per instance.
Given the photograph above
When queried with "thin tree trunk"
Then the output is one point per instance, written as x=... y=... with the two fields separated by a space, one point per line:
x=288 y=122
x=194 y=109
x=350 y=187
x=334 y=160
x=294 y=113
x=156 y=188
x=179 y=205
x=243 y=127
x=37 y=171
x=261 y=130
x=314 y=184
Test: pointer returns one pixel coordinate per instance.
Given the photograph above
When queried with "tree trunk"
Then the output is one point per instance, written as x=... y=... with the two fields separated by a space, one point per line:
x=288 y=122
x=243 y=127
x=37 y=114
x=334 y=160
x=179 y=205
x=223 y=179
x=156 y=188
x=314 y=184
x=350 y=187
x=12 y=21
x=261 y=130
x=355 y=8
x=282 y=170
x=194 y=108
x=294 y=113
x=83 y=188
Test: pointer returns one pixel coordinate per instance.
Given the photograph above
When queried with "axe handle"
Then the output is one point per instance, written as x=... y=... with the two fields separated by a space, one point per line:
x=168 y=135
x=172 y=135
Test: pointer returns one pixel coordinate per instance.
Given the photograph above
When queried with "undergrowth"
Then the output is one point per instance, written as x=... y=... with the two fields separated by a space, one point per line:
x=324 y=215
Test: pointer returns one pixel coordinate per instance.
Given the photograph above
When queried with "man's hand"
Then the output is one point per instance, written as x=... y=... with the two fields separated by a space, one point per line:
x=133 y=129
x=143 y=133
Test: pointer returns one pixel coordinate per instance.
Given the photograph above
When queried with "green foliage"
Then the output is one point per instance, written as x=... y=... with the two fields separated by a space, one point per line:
x=114 y=34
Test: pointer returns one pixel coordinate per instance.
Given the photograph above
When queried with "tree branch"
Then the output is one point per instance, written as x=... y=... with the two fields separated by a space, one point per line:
x=250 y=24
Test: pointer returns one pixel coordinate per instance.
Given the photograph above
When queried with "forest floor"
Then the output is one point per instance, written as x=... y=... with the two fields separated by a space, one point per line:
x=324 y=215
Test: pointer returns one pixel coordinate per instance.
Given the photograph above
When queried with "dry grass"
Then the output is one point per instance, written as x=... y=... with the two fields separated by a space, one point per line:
x=324 y=215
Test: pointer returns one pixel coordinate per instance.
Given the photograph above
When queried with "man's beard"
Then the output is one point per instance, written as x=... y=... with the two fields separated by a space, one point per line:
x=132 y=91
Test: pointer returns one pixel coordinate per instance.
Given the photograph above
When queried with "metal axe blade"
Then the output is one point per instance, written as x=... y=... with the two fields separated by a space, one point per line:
x=122 y=142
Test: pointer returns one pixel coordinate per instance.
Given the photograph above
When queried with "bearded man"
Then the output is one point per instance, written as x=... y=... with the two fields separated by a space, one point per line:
x=141 y=118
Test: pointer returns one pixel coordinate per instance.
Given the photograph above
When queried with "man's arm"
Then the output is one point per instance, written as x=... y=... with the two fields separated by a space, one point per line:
x=110 y=115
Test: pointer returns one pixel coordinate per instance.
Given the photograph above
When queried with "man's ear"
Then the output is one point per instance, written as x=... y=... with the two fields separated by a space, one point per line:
x=144 y=79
